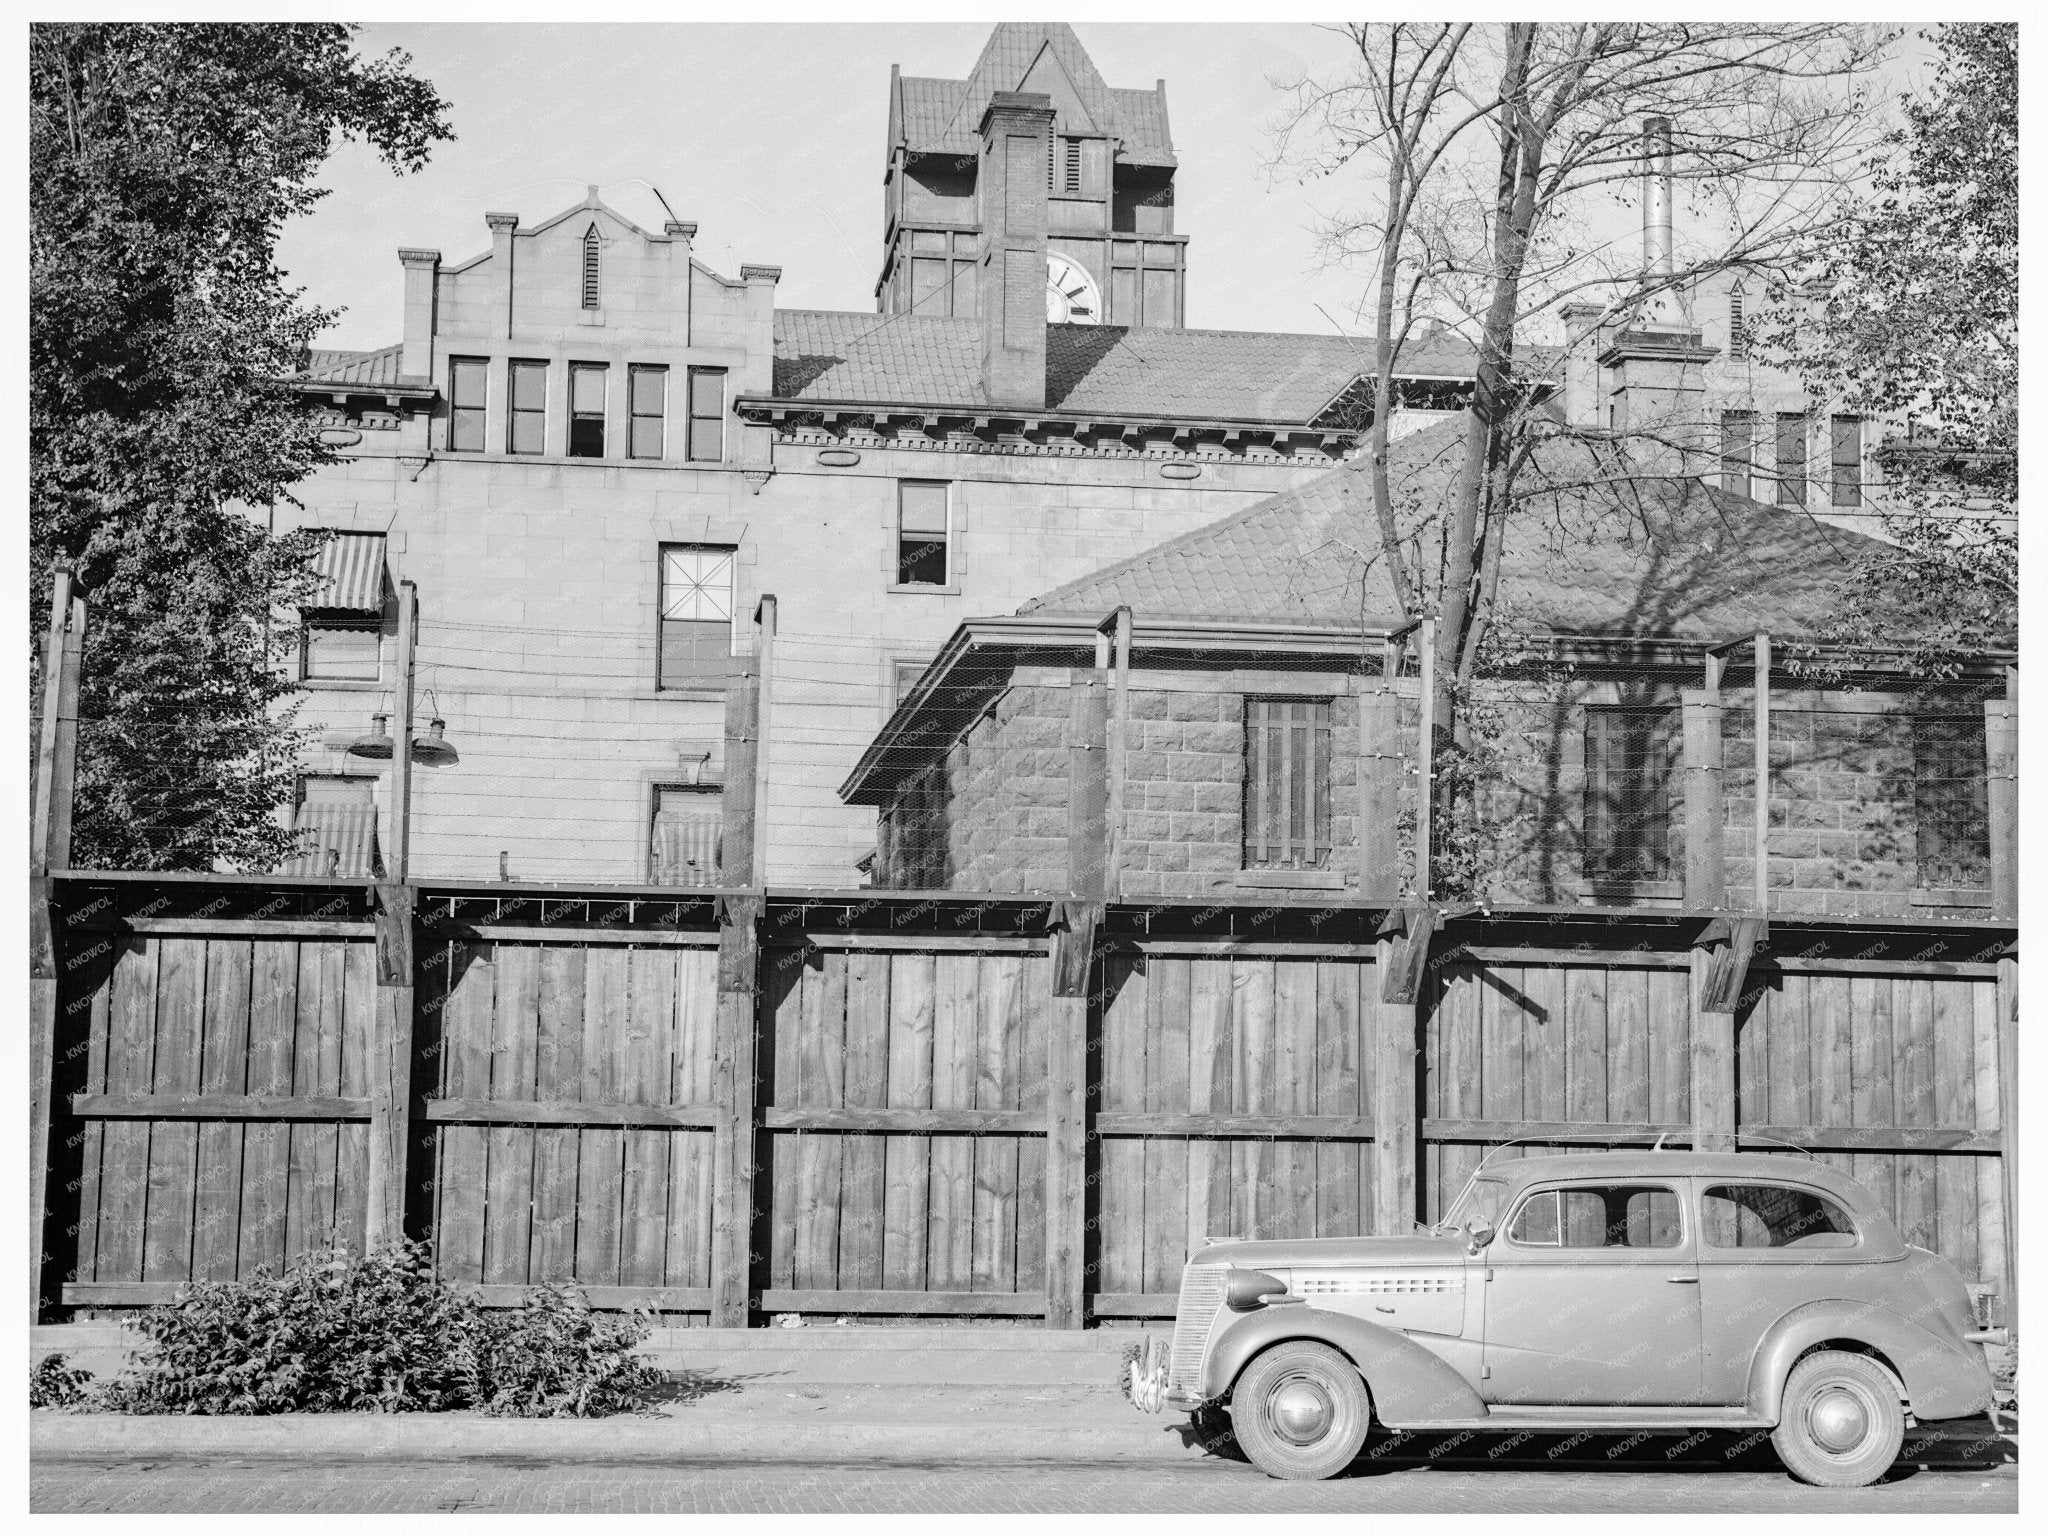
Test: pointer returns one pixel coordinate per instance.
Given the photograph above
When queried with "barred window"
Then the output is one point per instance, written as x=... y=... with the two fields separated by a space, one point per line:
x=689 y=821
x=1631 y=758
x=1286 y=783
x=914 y=834
x=1953 y=826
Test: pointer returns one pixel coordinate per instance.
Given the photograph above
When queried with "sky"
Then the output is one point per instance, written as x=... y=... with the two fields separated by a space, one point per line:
x=771 y=139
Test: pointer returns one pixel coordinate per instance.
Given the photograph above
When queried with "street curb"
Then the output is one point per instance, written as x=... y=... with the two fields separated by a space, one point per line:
x=424 y=1437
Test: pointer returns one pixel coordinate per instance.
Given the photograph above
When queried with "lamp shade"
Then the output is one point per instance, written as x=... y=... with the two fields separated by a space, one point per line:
x=375 y=745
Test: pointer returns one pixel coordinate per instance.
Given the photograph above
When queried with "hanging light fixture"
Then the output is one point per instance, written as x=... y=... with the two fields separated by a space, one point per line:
x=433 y=749
x=375 y=745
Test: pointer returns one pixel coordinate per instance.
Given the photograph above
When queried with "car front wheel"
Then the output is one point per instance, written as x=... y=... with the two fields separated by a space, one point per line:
x=1300 y=1411
x=1841 y=1423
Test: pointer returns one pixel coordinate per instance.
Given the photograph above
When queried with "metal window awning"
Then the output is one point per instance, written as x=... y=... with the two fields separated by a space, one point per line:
x=350 y=568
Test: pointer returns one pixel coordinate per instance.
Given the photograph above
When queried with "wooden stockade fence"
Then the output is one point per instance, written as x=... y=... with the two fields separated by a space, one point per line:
x=729 y=1105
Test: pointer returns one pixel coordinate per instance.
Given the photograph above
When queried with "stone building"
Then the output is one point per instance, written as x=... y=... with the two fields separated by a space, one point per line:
x=592 y=454
x=1249 y=727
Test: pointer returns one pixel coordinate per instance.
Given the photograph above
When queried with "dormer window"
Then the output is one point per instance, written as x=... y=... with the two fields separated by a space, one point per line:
x=591 y=245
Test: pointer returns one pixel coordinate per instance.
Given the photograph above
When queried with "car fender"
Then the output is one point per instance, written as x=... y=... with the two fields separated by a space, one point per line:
x=1407 y=1382
x=1942 y=1380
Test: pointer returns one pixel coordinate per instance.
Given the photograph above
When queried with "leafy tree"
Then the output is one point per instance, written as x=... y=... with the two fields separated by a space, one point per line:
x=1914 y=316
x=164 y=161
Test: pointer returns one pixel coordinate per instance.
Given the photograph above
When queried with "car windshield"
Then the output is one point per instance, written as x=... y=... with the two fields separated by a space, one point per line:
x=1479 y=1199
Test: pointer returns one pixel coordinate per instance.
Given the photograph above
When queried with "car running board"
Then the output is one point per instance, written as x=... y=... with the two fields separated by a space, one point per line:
x=1516 y=1416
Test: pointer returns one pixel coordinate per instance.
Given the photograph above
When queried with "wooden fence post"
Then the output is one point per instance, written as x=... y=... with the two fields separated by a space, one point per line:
x=1379 y=792
x=1394 y=1126
x=1706 y=883
x=1088 y=876
x=732 y=1144
x=49 y=848
x=2009 y=1133
x=2002 y=802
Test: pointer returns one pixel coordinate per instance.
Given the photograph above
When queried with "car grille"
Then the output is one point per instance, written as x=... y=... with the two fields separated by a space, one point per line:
x=1201 y=1293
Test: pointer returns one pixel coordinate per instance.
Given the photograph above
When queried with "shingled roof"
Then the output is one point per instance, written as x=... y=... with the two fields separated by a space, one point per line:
x=942 y=116
x=1100 y=370
x=1596 y=547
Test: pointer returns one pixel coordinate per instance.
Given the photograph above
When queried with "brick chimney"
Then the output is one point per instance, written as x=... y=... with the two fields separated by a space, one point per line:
x=1655 y=363
x=1016 y=153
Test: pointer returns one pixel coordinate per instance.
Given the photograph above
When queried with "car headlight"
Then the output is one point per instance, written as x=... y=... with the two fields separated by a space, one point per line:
x=1249 y=1288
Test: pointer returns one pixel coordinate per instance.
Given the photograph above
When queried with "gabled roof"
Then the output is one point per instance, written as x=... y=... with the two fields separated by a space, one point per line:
x=944 y=116
x=1597 y=546
x=1101 y=370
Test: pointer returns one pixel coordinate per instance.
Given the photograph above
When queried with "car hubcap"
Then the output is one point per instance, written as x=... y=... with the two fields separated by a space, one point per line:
x=1838 y=1419
x=1301 y=1411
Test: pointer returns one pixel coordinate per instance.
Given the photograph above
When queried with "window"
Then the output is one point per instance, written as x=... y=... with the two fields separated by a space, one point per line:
x=1603 y=1216
x=696 y=615
x=1738 y=339
x=1791 y=458
x=586 y=410
x=647 y=401
x=1951 y=816
x=1772 y=1216
x=1738 y=433
x=527 y=429
x=593 y=247
x=468 y=382
x=921 y=529
x=683 y=843
x=707 y=414
x=339 y=651
x=1286 y=783
x=904 y=673
x=1846 y=454
x=336 y=817
x=914 y=834
x=1631 y=752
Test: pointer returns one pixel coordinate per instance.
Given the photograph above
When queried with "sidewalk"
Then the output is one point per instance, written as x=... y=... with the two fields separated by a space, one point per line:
x=768 y=1394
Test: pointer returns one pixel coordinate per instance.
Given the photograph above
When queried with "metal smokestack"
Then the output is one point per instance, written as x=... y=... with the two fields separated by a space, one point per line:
x=1657 y=196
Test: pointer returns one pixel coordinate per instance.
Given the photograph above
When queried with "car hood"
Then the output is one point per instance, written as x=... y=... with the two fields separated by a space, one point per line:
x=1315 y=1252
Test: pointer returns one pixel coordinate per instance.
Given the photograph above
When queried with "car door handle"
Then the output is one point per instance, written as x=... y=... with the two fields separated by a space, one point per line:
x=1683 y=1279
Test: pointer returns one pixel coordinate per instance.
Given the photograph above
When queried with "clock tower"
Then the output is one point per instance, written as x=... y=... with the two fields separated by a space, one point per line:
x=1111 y=254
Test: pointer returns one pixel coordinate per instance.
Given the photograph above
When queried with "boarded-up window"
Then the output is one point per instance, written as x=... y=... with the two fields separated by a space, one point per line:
x=343 y=650
x=586 y=410
x=684 y=839
x=1950 y=809
x=648 y=391
x=467 y=385
x=336 y=819
x=696 y=615
x=1845 y=443
x=1791 y=458
x=1631 y=755
x=1738 y=434
x=1286 y=783
x=921 y=533
x=527 y=432
x=707 y=414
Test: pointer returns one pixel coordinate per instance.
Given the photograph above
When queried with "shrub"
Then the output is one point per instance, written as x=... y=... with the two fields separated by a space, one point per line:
x=53 y=1384
x=382 y=1332
x=555 y=1358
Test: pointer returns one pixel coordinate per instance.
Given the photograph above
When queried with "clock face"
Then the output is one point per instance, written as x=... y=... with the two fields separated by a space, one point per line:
x=1071 y=297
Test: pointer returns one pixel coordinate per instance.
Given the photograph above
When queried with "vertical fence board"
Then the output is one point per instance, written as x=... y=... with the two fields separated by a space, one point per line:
x=821 y=1085
x=1034 y=999
x=224 y=1068
x=789 y=1036
x=688 y=1236
x=174 y=1144
x=995 y=1157
x=1209 y=1090
x=601 y=1151
x=867 y=1087
x=908 y=1158
x=352 y=1138
x=1584 y=1031
x=558 y=1074
x=266 y=1145
x=1914 y=1041
x=1339 y=1090
x=650 y=1079
x=124 y=1183
x=1871 y=1102
x=1955 y=1103
x=1670 y=1012
x=1628 y=1044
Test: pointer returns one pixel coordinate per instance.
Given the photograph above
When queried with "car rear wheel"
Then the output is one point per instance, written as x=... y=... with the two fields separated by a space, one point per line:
x=1841 y=1423
x=1300 y=1411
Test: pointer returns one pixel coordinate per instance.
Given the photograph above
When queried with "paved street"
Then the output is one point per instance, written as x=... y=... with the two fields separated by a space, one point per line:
x=1607 y=1476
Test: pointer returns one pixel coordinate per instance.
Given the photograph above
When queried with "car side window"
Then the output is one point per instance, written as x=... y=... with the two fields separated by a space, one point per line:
x=1773 y=1216
x=1599 y=1216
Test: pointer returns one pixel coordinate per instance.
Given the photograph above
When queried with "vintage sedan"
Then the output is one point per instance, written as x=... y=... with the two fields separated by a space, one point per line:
x=1614 y=1290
